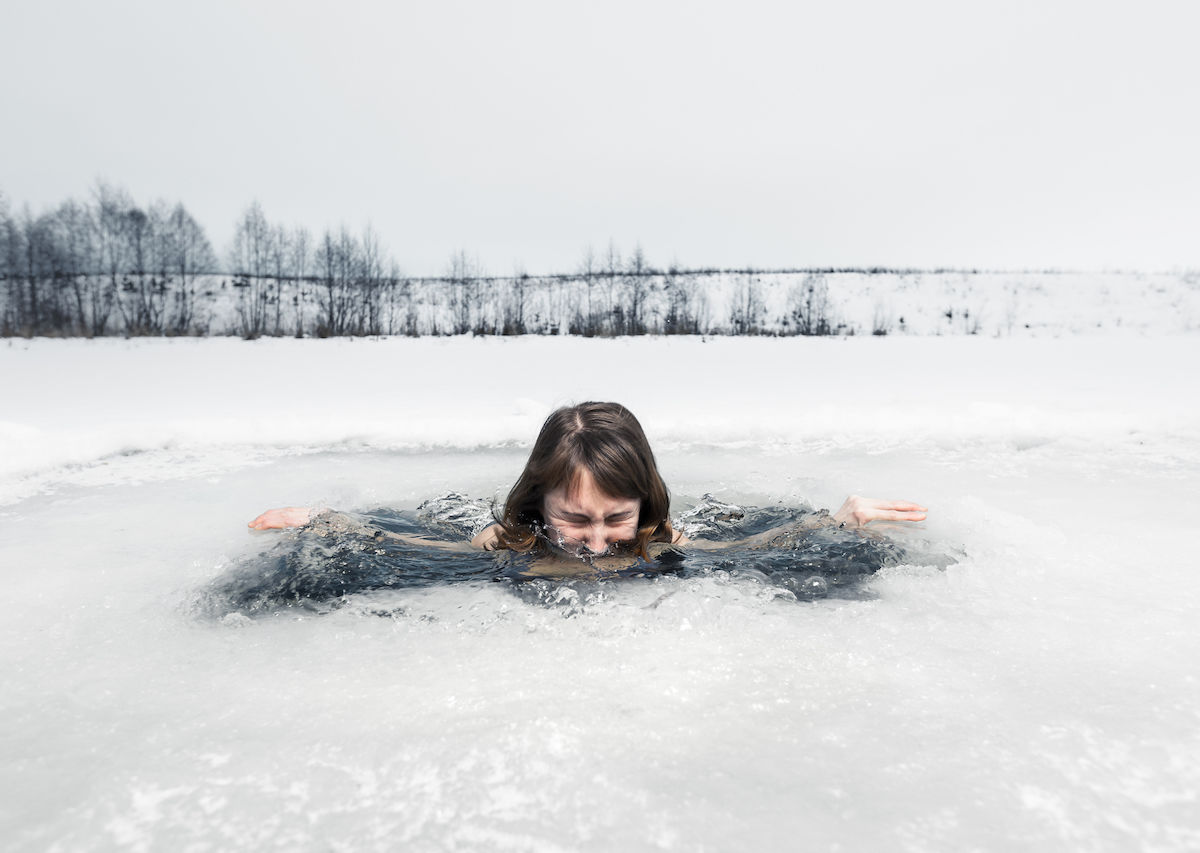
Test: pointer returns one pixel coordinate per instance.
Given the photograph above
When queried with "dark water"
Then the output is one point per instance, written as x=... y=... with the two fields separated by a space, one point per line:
x=318 y=573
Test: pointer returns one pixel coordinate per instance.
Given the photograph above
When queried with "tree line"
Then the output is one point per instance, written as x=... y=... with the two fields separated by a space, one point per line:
x=101 y=267
x=109 y=266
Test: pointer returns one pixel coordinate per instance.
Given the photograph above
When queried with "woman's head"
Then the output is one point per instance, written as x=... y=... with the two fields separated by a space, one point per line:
x=591 y=479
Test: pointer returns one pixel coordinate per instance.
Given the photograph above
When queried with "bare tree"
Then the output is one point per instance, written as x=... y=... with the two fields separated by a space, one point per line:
x=514 y=306
x=399 y=319
x=686 y=304
x=279 y=253
x=190 y=254
x=73 y=227
x=809 y=306
x=327 y=269
x=10 y=253
x=463 y=275
x=371 y=285
x=613 y=268
x=249 y=259
x=29 y=297
x=110 y=207
x=161 y=238
x=300 y=244
x=337 y=262
x=746 y=312
x=141 y=298
x=126 y=245
x=589 y=268
x=639 y=289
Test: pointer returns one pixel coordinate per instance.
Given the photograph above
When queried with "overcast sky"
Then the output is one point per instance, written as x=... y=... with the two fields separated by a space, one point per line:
x=1003 y=135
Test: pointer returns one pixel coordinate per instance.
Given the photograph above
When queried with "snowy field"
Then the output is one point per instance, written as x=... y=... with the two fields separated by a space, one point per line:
x=1040 y=694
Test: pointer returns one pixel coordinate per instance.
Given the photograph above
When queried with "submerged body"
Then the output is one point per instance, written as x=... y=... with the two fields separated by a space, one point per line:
x=590 y=501
x=319 y=566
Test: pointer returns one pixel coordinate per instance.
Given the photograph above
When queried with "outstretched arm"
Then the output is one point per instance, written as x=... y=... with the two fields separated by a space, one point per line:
x=285 y=516
x=325 y=522
x=855 y=512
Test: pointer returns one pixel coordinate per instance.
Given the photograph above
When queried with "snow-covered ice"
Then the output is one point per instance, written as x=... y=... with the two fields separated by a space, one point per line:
x=1038 y=694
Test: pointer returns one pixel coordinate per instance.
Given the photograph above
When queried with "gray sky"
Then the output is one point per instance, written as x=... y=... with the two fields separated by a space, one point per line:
x=1009 y=134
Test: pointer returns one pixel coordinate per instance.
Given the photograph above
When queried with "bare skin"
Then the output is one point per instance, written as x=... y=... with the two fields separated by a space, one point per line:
x=583 y=521
x=299 y=516
x=284 y=516
x=581 y=518
x=856 y=511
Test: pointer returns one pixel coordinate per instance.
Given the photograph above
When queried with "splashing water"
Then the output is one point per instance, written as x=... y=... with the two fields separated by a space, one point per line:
x=317 y=569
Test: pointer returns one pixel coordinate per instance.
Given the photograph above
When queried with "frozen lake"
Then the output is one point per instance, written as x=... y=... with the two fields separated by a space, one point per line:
x=1038 y=694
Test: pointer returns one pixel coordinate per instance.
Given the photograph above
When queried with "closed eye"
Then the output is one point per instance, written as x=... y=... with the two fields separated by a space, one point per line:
x=615 y=518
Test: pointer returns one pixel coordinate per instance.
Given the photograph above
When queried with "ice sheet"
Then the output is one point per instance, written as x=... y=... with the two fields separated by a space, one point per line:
x=1037 y=694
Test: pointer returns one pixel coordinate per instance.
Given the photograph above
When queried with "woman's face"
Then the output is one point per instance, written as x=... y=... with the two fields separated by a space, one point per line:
x=583 y=519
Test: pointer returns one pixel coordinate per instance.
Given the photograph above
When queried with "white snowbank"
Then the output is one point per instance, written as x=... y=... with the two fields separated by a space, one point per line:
x=74 y=403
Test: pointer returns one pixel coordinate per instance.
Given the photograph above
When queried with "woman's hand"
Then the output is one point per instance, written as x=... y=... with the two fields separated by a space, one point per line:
x=287 y=516
x=488 y=539
x=857 y=511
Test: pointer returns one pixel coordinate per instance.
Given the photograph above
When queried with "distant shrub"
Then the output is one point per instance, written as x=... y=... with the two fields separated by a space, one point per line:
x=808 y=303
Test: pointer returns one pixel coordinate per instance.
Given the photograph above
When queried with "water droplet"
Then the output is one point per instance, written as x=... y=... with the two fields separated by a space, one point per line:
x=814 y=586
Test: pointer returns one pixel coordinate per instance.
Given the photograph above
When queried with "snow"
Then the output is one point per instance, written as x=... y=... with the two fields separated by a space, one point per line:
x=72 y=405
x=1038 y=694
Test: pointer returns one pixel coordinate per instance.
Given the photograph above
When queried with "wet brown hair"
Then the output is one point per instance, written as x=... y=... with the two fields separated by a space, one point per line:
x=607 y=440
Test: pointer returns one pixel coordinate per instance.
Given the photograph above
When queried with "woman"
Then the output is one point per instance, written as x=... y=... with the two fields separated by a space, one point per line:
x=591 y=488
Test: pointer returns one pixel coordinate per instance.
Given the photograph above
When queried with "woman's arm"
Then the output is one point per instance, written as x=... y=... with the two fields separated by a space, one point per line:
x=855 y=512
x=858 y=511
x=285 y=516
x=325 y=522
